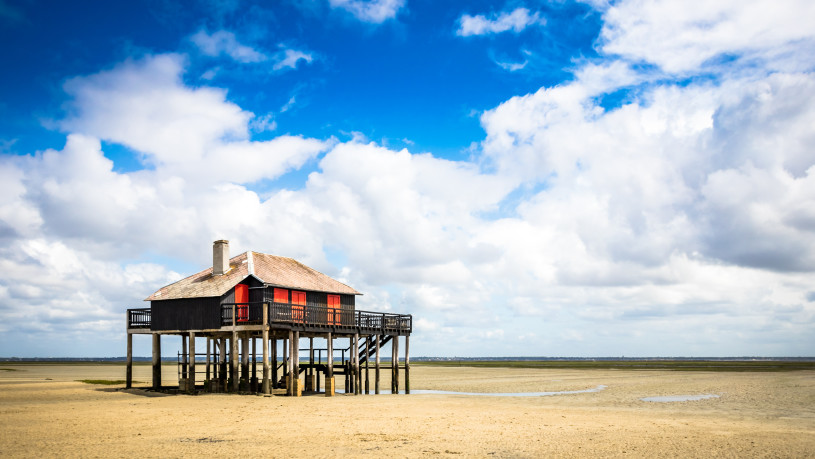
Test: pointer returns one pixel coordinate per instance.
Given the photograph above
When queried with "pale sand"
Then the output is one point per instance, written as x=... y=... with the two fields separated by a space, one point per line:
x=756 y=415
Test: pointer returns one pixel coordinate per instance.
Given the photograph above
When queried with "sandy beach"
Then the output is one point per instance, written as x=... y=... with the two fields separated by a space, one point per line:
x=45 y=412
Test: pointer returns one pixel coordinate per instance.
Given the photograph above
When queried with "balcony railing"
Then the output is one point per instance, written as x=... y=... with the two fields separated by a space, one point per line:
x=252 y=313
x=285 y=313
x=139 y=318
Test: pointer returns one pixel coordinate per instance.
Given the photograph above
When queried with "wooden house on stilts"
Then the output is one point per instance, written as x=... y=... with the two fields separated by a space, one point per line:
x=258 y=297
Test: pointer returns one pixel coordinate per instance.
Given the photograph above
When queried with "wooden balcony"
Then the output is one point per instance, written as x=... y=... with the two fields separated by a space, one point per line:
x=300 y=317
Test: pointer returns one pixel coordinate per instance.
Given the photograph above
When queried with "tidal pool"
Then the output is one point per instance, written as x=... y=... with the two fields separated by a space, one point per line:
x=500 y=394
x=678 y=398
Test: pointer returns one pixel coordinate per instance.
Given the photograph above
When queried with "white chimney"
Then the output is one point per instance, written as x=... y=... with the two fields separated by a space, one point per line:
x=220 y=257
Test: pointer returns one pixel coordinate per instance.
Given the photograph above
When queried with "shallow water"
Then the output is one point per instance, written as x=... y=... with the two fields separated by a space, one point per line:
x=502 y=394
x=678 y=398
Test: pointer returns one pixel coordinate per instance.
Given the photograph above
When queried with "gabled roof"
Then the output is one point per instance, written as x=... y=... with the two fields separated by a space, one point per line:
x=270 y=269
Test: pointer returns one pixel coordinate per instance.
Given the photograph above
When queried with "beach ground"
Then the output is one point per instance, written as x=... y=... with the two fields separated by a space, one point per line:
x=45 y=412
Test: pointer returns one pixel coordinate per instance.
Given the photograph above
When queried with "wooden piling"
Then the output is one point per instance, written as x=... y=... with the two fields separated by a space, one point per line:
x=209 y=343
x=129 y=371
x=222 y=372
x=407 y=364
x=245 y=361
x=266 y=387
x=289 y=362
x=367 y=359
x=295 y=347
x=156 y=361
x=395 y=365
x=191 y=375
x=214 y=360
x=376 y=370
x=253 y=379
x=356 y=365
x=286 y=361
x=183 y=358
x=329 y=377
x=273 y=344
x=234 y=354
x=311 y=382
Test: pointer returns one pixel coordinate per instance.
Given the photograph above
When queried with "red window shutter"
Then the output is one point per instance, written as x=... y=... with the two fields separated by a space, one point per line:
x=334 y=308
x=281 y=295
x=242 y=296
x=298 y=303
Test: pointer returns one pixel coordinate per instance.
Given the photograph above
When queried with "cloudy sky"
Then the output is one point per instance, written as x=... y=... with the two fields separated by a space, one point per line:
x=527 y=178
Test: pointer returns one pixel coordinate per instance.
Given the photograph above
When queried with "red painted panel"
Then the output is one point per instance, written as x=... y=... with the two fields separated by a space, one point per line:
x=334 y=308
x=298 y=305
x=281 y=295
x=242 y=296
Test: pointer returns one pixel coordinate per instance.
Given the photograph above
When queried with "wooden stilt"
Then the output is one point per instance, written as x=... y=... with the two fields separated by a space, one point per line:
x=295 y=347
x=367 y=366
x=376 y=369
x=273 y=344
x=317 y=373
x=286 y=362
x=156 y=361
x=289 y=362
x=311 y=386
x=266 y=387
x=183 y=359
x=245 y=362
x=329 y=376
x=356 y=365
x=395 y=365
x=191 y=376
x=209 y=343
x=129 y=370
x=222 y=372
x=214 y=359
x=234 y=354
x=407 y=364
x=253 y=380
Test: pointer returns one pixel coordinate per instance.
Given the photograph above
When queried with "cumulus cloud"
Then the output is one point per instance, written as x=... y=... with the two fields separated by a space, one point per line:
x=196 y=133
x=289 y=58
x=682 y=36
x=678 y=221
x=516 y=21
x=224 y=42
x=372 y=11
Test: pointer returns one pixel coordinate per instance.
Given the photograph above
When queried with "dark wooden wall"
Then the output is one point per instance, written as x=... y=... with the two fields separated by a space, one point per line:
x=186 y=314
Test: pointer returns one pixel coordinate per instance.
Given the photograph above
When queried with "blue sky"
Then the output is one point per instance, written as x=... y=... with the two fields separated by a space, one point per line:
x=526 y=177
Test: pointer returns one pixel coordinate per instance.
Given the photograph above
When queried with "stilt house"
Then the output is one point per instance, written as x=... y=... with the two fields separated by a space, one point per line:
x=255 y=296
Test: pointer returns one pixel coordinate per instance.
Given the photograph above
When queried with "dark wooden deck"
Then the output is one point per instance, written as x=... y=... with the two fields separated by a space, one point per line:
x=287 y=316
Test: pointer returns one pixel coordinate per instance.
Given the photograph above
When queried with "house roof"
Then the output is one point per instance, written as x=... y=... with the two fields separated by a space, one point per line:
x=270 y=269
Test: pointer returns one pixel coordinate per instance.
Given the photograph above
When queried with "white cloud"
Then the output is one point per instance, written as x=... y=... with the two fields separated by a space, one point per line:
x=682 y=36
x=516 y=21
x=373 y=11
x=677 y=222
x=289 y=58
x=224 y=42
x=191 y=133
